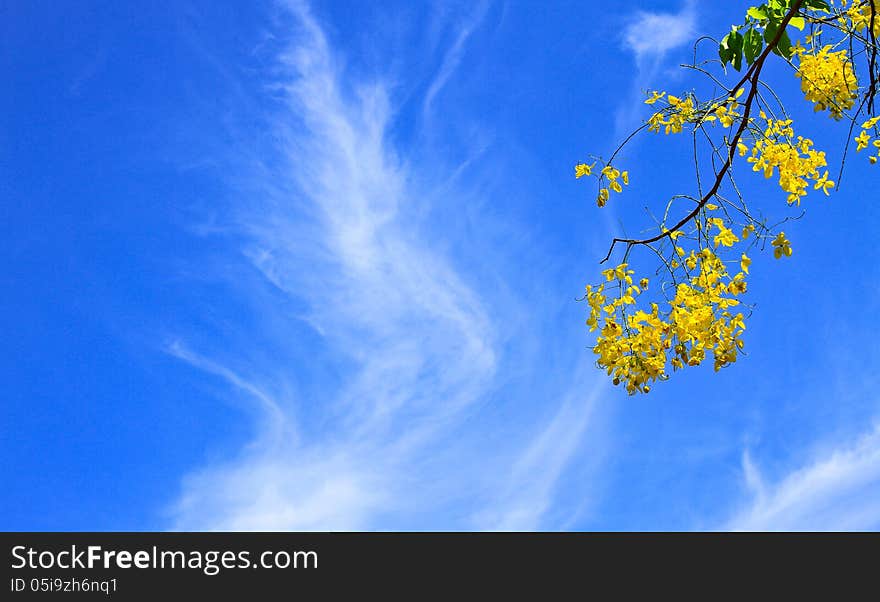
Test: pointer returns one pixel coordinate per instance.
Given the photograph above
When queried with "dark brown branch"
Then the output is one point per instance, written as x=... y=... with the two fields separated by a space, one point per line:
x=872 y=62
x=751 y=76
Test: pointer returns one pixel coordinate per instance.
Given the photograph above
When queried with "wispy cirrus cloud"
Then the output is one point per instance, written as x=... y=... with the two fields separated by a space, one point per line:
x=529 y=489
x=400 y=433
x=453 y=55
x=837 y=491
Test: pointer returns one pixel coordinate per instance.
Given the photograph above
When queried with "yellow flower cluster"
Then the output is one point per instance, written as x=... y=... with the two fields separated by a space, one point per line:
x=864 y=138
x=725 y=236
x=684 y=110
x=795 y=158
x=611 y=180
x=674 y=116
x=635 y=349
x=827 y=79
x=725 y=112
x=859 y=15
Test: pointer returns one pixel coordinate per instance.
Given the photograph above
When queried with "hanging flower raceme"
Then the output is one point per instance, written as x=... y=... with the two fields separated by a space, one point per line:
x=859 y=16
x=827 y=79
x=637 y=347
x=795 y=158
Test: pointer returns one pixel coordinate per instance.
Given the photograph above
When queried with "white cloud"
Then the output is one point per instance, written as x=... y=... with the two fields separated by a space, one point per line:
x=838 y=491
x=416 y=347
x=651 y=35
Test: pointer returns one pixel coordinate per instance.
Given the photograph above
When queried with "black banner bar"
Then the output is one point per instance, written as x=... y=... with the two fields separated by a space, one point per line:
x=128 y=566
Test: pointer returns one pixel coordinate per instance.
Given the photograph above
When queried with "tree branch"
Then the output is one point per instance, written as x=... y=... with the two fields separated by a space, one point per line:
x=751 y=76
x=872 y=62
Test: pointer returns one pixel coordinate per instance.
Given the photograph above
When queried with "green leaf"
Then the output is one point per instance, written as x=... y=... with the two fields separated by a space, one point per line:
x=758 y=13
x=752 y=45
x=817 y=5
x=735 y=43
x=724 y=51
x=770 y=30
x=797 y=22
x=783 y=46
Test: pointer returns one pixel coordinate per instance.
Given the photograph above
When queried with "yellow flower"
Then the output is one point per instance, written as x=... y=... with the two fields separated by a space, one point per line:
x=744 y=263
x=781 y=246
x=725 y=116
x=738 y=285
x=655 y=96
x=824 y=183
x=862 y=141
x=725 y=237
x=610 y=173
x=582 y=169
x=621 y=271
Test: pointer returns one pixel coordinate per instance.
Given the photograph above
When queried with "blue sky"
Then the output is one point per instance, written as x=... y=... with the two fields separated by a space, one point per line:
x=314 y=266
